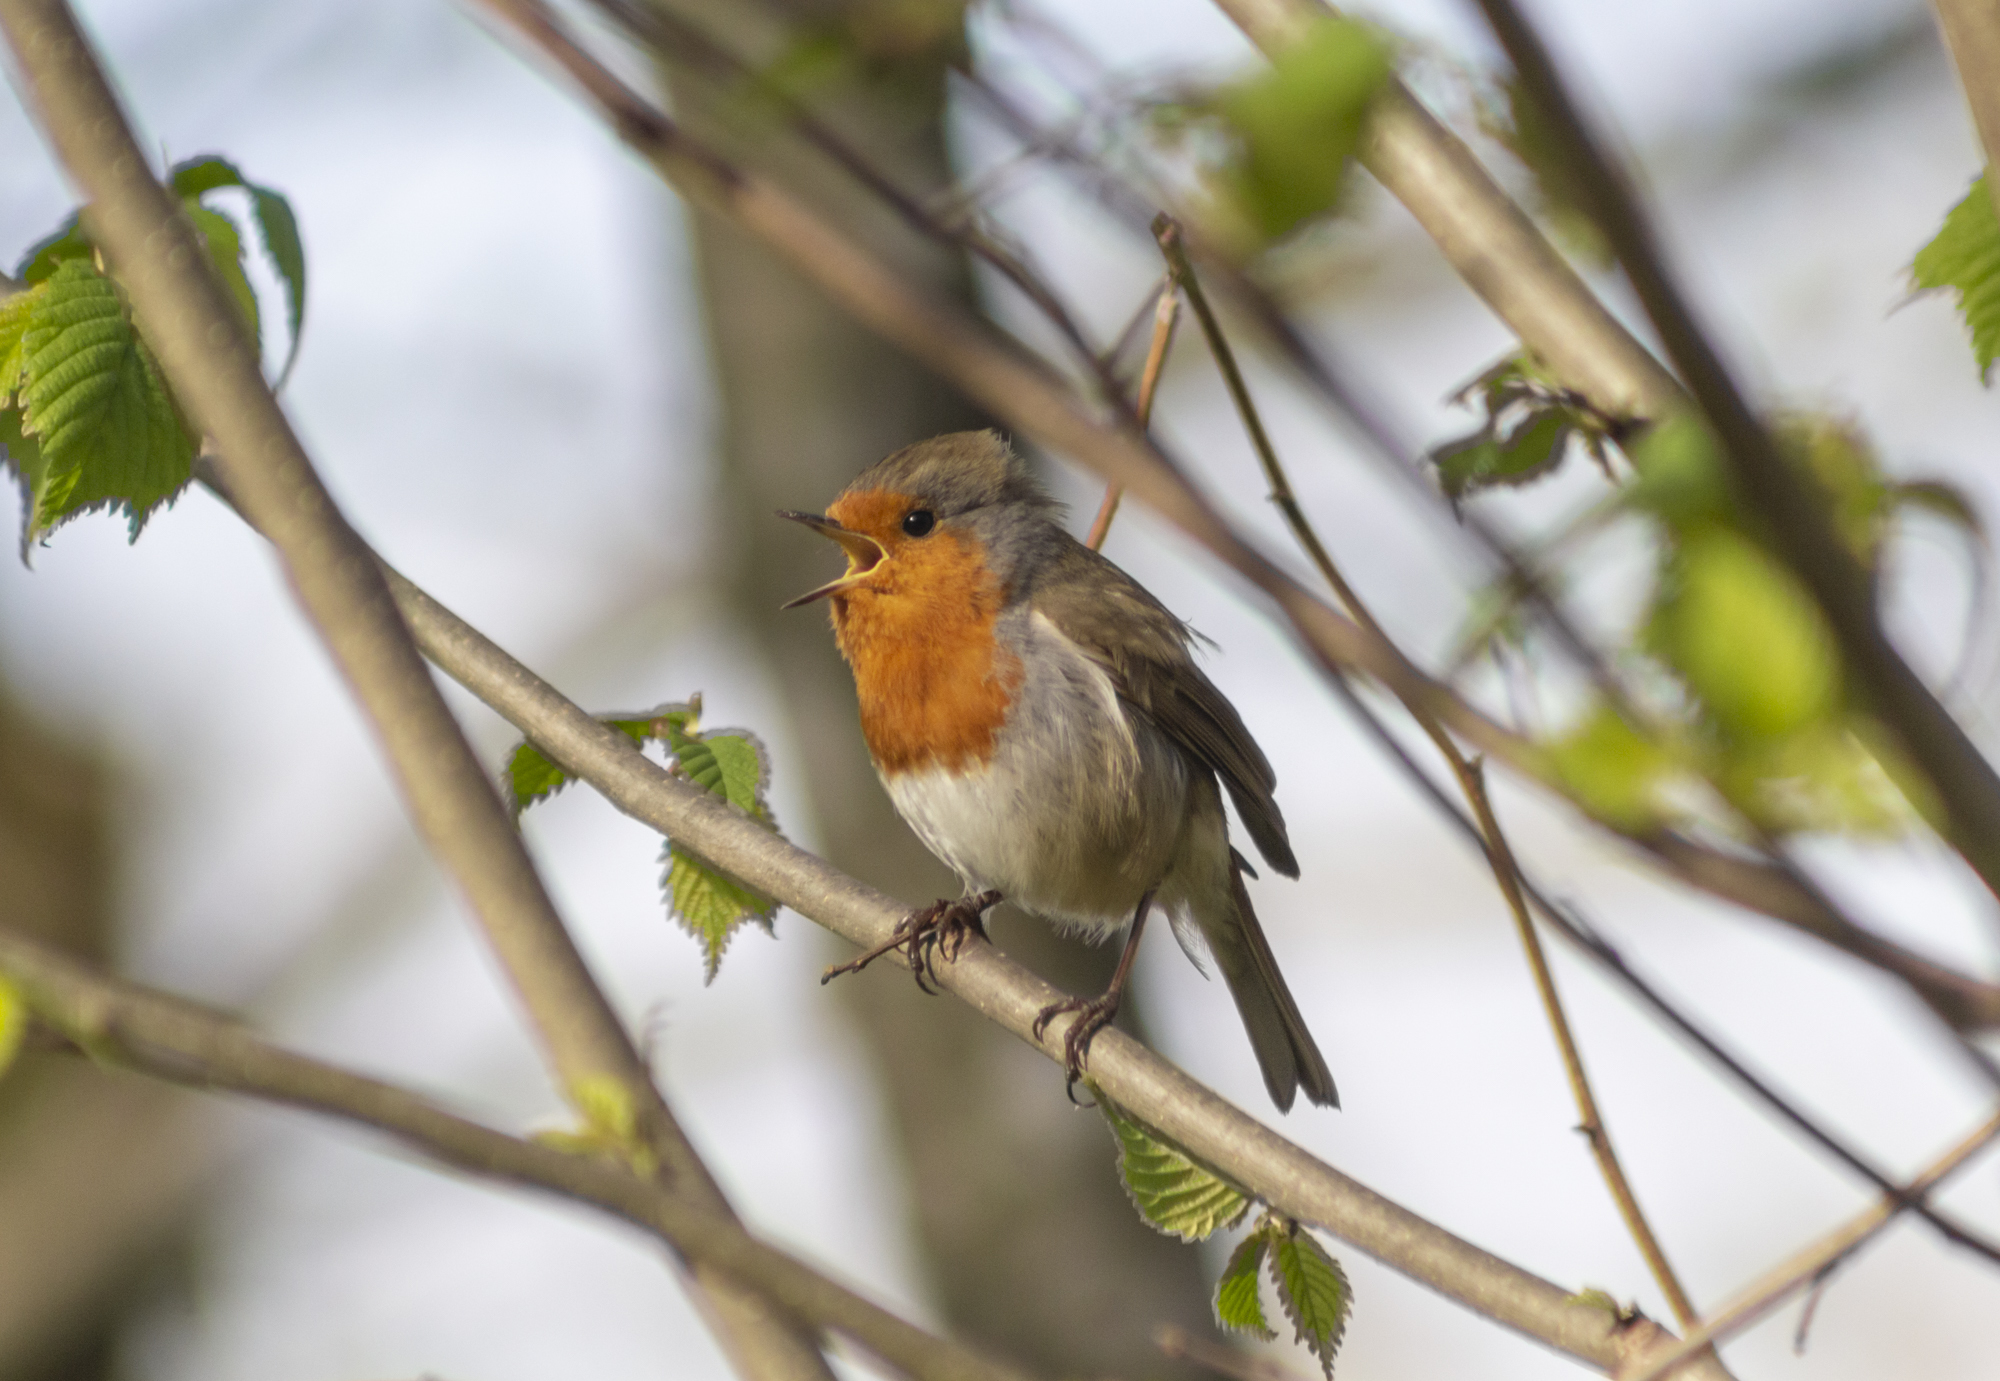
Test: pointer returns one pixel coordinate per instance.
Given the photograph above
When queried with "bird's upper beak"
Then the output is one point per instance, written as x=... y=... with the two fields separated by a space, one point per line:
x=864 y=554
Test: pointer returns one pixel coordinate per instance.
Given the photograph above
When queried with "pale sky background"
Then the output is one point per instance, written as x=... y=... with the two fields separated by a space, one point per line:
x=502 y=381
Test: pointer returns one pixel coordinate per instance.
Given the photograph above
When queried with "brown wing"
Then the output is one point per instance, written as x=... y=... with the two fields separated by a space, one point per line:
x=1145 y=648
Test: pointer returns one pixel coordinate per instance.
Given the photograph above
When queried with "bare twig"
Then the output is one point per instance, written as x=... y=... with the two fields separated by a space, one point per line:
x=194 y=330
x=1786 y=500
x=188 y=1044
x=1166 y=311
x=1972 y=32
x=1811 y=1264
x=1471 y=779
x=1177 y=1344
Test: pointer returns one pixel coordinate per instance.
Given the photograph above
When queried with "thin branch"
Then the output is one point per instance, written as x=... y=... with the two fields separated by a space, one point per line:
x=1471 y=780
x=1786 y=500
x=1166 y=311
x=1021 y=390
x=177 y=1040
x=193 y=328
x=1972 y=32
x=1813 y=1263
x=1492 y=243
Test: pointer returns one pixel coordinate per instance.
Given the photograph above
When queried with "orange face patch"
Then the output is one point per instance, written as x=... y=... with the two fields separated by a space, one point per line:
x=918 y=630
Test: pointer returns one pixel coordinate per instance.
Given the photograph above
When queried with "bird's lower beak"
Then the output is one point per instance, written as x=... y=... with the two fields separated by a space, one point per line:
x=864 y=554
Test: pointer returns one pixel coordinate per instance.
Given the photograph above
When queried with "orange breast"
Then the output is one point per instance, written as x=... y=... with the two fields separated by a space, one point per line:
x=934 y=685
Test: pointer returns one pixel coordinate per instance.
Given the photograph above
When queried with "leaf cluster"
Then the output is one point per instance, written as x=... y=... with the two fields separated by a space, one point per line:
x=86 y=418
x=707 y=902
x=1530 y=426
x=1183 y=1198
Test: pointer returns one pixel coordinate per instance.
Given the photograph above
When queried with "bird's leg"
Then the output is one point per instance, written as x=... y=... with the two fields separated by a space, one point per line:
x=939 y=928
x=1095 y=1013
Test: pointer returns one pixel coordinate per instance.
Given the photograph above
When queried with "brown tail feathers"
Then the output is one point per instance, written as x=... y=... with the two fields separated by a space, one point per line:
x=1285 y=1049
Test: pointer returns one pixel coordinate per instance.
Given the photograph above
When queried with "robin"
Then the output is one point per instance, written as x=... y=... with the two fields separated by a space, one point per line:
x=1037 y=719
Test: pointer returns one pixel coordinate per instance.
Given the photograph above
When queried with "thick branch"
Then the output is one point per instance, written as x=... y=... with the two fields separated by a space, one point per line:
x=194 y=329
x=177 y=1040
x=1785 y=500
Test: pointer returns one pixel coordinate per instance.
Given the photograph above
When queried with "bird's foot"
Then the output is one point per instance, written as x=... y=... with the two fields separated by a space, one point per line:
x=925 y=935
x=1093 y=1014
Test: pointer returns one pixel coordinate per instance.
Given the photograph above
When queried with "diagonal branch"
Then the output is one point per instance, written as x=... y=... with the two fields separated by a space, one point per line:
x=1788 y=503
x=1971 y=31
x=177 y=1040
x=1814 y=1262
x=194 y=330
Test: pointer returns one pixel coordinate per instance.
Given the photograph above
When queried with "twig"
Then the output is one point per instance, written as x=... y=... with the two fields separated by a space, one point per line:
x=1786 y=500
x=179 y=1041
x=1803 y=1268
x=1177 y=1344
x=1471 y=780
x=194 y=330
x=1166 y=311
x=1972 y=32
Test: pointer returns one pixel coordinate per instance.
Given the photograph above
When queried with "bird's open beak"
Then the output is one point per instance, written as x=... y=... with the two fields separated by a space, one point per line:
x=864 y=554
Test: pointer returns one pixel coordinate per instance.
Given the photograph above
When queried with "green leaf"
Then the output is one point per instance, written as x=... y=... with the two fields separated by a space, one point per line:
x=1297 y=125
x=1680 y=475
x=1175 y=1195
x=1964 y=259
x=1746 y=636
x=45 y=256
x=530 y=776
x=1612 y=770
x=275 y=223
x=1313 y=1291
x=97 y=408
x=1485 y=459
x=13 y=1023
x=225 y=251
x=710 y=905
x=1239 y=1299
x=15 y=311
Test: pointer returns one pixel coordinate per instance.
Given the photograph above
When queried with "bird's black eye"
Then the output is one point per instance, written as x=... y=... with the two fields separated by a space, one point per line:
x=918 y=522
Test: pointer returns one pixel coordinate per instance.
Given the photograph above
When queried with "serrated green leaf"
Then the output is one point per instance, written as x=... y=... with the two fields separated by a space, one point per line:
x=15 y=311
x=1611 y=770
x=1313 y=1291
x=530 y=775
x=1239 y=1297
x=1964 y=258
x=225 y=251
x=1171 y=1192
x=1746 y=636
x=46 y=255
x=98 y=408
x=710 y=905
x=13 y=1023
x=1298 y=124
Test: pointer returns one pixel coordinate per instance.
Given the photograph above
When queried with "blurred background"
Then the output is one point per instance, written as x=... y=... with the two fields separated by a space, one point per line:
x=567 y=409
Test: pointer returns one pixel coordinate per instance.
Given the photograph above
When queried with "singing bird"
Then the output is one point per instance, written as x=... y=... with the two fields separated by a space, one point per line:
x=1037 y=718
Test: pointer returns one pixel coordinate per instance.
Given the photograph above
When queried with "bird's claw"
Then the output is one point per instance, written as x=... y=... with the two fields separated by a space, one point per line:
x=1093 y=1014
x=926 y=934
